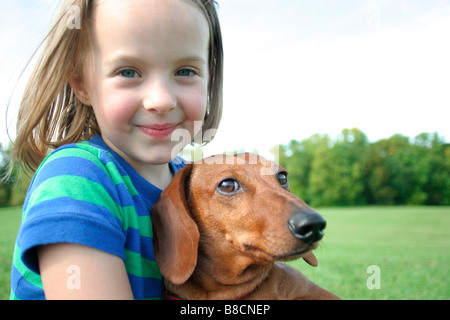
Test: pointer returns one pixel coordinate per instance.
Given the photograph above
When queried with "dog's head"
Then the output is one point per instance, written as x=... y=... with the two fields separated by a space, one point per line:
x=240 y=203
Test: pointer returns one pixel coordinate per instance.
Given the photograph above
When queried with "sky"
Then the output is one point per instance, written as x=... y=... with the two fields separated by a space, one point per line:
x=294 y=68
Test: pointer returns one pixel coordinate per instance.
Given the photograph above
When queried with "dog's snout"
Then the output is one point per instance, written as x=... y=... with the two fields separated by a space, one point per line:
x=307 y=227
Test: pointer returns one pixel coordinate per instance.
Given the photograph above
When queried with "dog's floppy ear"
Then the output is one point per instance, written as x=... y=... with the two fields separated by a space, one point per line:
x=176 y=234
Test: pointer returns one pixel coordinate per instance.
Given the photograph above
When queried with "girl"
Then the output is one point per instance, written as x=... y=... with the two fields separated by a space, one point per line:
x=115 y=80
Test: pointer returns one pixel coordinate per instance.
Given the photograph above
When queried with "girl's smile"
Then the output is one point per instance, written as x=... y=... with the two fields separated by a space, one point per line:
x=159 y=131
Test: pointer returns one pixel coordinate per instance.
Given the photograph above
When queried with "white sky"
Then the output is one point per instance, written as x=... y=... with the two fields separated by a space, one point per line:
x=299 y=67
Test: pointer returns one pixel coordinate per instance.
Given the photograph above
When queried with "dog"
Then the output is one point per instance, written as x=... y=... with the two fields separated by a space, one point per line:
x=222 y=226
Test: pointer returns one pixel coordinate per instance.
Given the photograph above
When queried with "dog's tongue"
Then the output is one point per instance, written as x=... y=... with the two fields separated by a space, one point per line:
x=311 y=259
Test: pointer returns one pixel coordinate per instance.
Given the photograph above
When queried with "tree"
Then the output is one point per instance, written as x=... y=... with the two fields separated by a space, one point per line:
x=337 y=172
x=297 y=157
x=435 y=168
x=6 y=183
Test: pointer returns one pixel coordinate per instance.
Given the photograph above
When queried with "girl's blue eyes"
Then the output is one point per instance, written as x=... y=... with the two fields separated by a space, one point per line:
x=185 y=73
x=130 y=73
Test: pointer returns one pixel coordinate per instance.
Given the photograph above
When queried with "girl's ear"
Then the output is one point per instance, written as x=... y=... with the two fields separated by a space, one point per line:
x=77 y=84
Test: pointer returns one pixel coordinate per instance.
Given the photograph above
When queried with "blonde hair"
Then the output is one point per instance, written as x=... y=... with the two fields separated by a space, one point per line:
x=50 y=114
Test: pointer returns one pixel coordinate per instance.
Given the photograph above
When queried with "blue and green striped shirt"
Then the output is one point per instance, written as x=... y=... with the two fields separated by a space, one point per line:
x=86 y=194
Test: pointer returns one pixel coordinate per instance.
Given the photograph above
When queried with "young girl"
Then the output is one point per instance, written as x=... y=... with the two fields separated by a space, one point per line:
x=115 y=80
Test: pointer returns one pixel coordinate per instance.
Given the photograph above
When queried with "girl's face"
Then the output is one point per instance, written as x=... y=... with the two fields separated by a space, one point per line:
x=147 y=75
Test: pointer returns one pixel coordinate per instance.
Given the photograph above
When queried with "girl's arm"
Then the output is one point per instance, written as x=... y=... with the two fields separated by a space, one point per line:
x=72 y=272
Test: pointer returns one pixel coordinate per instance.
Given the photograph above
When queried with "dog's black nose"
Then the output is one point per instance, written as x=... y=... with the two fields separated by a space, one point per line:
x=307 y=226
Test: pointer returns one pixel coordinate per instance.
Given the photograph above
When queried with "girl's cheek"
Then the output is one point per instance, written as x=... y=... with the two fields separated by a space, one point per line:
x=196 y=108
x=122 y=111
x=118 y=108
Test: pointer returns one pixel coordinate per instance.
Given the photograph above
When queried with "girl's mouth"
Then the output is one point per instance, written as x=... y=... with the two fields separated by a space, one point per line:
x=159 y=131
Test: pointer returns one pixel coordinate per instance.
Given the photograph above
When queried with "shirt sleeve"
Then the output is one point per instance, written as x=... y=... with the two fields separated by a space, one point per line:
x=72 y=199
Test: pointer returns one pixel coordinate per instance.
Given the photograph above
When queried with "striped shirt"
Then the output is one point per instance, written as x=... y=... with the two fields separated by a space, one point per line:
x=86 y=194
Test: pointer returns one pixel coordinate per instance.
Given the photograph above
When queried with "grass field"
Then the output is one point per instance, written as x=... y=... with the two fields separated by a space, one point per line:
x=410 y=245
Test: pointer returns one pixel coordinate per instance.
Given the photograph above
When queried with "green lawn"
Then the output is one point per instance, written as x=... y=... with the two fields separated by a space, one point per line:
x=410 y=245
x=9 y=225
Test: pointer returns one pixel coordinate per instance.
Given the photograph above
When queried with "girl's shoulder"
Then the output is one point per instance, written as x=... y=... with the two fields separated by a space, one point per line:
x=85 y=150
x=83 y=165
x=71 y=159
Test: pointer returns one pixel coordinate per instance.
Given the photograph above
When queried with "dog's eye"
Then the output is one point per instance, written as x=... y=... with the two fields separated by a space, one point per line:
x=282 y=178
x=229 y=186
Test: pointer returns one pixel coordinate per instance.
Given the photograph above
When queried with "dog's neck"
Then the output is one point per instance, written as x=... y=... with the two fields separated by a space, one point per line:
x=225 y=274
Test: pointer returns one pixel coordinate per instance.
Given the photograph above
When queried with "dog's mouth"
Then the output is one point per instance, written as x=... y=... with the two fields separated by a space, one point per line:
x=264 y=250
x=296 y=253
x=299 y=253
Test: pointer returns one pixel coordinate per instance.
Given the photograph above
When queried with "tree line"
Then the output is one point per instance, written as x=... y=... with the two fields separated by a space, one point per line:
x=350 y=170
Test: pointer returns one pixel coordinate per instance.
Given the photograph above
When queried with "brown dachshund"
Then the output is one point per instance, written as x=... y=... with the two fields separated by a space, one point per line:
x=222 y=224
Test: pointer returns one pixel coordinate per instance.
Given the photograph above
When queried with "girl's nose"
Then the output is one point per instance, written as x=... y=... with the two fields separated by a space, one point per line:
x=159 y=98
